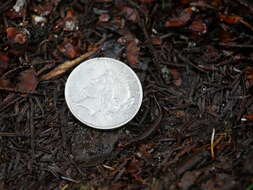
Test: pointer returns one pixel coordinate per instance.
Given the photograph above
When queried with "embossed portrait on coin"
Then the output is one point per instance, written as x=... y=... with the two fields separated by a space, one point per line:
x=105 y=94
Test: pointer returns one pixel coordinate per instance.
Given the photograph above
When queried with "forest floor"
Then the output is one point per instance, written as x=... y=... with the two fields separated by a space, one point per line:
x=194 y=129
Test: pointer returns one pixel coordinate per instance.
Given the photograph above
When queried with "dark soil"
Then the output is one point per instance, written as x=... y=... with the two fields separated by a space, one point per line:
x=194 y=129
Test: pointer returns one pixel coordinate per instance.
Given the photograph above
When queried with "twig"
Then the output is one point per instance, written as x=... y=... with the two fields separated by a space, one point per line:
x=6 y=134
x=232 y=45
x=66 y=66
x=184 y=59
x=212 y=144
x=69 y=179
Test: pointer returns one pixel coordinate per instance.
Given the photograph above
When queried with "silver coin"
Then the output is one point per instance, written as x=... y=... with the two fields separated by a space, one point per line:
x=103 y=93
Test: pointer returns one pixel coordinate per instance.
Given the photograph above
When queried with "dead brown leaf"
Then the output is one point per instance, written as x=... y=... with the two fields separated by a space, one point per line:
x=181 y=20
x=185 y=2
x=234 y=19
x=131 y=14
x=60 y=69
x=198 y=26
x=156 y=40
x=69 y=49
x=230 y=19
x=177 y=80
x=16 y=36
x=133 y=52
x=5 y=83
x=4 y=63
x=28 y=80
x=226 y=36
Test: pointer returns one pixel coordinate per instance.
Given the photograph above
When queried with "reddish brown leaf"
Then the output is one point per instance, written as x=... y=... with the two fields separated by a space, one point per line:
x=156 y=40
x=181 y=20
x=4 y=61
x=185 y=2
x=216 y=3
x=249 y=117
x=177 y=80
x=131 y=14
x=5 y=83
x=144 y=148
x=16 y=36
x=133 y=167
x=198 y=26
x=68 y=49
x=27 y=80
x=249 y=75
x=132 y=52
x=230 y=19
x=226 y=36
x=70 y=21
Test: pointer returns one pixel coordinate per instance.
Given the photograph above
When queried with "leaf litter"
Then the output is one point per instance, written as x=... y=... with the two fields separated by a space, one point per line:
x=194 y=129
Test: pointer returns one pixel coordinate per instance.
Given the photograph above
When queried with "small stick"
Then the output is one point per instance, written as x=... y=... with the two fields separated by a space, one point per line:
x=66 y=66
x=212 y=144
x=6 y=134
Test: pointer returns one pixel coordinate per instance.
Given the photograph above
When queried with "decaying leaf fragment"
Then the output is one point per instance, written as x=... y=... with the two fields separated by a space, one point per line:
x=133 y=51
x=27 y=80
x=181 y=20
x=234 y=19
x=230 y=19
x=198 y=26
x=68 y=48
x=4 y=62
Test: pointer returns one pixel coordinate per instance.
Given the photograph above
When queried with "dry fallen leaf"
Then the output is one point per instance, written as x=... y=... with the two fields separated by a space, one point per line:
x=198 y=26
x=68 y=49
x=67 y=65
x=230 y=19
x=248 y=71
x=4 y=61
x=177 y=80
x=28 y=80
x=226 y=36
x=16 y=36
x=249 y=117
x=184 y=2
x=181 y=20
x=131 y=14
x=5 y=83
x=133 y=52
x=233 y=19
x=156 y=40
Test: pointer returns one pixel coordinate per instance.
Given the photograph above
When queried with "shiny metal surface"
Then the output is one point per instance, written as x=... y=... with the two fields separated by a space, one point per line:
x=103 y=93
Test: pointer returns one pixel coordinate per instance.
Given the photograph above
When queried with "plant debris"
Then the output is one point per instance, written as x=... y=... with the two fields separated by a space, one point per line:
x=194 y=128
